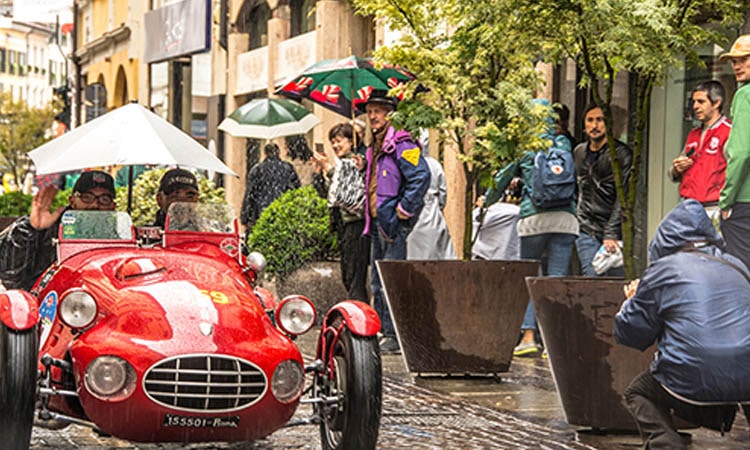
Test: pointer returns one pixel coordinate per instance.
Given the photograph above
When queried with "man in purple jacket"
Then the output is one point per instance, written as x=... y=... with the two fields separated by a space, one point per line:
x=397 y=178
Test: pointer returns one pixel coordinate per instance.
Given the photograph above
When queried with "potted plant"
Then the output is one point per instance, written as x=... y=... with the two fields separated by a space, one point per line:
x=293 y=234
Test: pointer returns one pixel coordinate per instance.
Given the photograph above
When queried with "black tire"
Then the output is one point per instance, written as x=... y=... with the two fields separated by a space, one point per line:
x=18 y=369
x=354 y=423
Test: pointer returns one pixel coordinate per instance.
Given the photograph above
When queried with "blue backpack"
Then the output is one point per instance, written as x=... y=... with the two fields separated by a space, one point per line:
x=553 y=181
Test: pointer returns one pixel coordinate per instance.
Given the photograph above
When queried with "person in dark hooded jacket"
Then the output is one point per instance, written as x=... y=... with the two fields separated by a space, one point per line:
x=694 y=300
x=266 y=181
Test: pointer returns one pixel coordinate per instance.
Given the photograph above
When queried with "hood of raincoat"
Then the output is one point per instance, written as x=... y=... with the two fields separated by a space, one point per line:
x=687 y=223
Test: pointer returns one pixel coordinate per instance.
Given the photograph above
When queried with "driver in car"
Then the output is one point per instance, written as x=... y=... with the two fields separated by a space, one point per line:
x=26 y=246
x=177 y=185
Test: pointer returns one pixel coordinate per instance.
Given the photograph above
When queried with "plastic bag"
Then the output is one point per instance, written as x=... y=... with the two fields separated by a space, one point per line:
x=604 y=260
x=347 y=188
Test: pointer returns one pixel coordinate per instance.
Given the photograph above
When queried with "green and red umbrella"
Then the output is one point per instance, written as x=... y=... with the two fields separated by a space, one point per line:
x=344 y=85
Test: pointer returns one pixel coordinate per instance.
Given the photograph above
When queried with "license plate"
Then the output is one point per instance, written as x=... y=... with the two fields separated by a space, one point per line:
x=171 y=420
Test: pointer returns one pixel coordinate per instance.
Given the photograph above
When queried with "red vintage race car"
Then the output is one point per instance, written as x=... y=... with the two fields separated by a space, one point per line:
x=165 y=336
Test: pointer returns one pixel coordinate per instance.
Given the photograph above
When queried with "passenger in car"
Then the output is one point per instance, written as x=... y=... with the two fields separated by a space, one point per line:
x=26 y=246
x=177 y=185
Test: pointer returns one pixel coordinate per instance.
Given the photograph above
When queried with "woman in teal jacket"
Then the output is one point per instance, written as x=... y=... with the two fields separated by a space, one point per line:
x=546 y=234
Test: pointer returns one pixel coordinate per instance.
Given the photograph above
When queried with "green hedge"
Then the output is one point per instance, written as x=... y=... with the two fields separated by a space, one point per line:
x=15 y=204
x=292 y=231
x=144 y=205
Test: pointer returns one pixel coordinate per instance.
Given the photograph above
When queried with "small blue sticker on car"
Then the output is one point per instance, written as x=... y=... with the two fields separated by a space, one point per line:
x=47 y=311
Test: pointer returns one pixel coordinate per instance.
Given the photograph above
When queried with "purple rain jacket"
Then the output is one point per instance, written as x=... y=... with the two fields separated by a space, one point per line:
x=403 y=179
x=696 y=308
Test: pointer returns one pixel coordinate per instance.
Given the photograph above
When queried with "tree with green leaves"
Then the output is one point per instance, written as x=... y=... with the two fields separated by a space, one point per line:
x=22 y=129
x=645 y=39
x=479 y=84
x=476 y=57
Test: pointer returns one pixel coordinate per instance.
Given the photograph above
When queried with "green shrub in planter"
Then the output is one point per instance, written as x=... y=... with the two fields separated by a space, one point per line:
x=292 y=231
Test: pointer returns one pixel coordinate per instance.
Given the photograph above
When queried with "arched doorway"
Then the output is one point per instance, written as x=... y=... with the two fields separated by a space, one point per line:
x=120 y=95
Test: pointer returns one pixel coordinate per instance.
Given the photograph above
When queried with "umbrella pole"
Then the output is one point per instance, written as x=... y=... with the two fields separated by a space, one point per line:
x=130 y=189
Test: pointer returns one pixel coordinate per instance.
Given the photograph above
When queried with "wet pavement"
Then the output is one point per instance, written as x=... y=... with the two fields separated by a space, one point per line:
x=527 y=392
x=515 y=410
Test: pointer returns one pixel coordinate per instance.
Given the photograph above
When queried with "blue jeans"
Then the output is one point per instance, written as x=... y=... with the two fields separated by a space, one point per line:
x=587 y=246
x=557 y=247
x=382 y=249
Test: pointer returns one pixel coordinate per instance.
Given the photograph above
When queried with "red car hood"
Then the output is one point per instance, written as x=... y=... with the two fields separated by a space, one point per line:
x=197 y=297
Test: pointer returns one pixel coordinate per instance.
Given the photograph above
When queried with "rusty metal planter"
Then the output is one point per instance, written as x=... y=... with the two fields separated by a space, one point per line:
x=457 y=317
x=591 y=371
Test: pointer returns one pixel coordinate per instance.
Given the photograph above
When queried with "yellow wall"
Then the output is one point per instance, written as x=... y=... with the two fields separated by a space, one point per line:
x=121 y=13
x=108 y=71
x=99 y=18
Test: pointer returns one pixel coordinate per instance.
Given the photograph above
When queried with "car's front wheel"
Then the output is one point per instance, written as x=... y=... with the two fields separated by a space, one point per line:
x=355 y=421
x=18 y=377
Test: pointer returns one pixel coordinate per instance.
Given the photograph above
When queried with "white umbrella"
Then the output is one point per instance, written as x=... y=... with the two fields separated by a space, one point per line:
x=269 y=118
x=128 y=135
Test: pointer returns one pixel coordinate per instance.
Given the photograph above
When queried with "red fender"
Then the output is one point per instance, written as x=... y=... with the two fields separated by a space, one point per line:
x=18 y=310
x=266 y=297
x=360 y=318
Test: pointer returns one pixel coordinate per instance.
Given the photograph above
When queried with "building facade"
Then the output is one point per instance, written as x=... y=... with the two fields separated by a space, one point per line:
x=107 y=56
x=32 y=61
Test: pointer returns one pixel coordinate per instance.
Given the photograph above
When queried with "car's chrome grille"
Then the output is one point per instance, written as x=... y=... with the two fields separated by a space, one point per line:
x=204 y=383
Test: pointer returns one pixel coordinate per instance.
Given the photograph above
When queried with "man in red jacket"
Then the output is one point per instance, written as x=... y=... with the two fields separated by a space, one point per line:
x=701 y=166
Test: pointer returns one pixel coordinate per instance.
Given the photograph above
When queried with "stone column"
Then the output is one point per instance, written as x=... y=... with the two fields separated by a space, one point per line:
x=234 y=148
x=331 y=43
x=278 y=31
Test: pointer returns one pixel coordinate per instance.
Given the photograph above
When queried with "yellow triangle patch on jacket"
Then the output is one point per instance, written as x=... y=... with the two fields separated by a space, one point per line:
x=411 y=155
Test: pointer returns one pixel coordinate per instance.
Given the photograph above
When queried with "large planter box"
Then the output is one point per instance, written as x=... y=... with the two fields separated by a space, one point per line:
x=457 y=317
x=320 y=281
x=591 y=371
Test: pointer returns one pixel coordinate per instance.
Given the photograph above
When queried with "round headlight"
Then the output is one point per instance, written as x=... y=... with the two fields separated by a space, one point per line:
x=77 y=309
x=287 y=381
x=110 y=378
x=295 y=314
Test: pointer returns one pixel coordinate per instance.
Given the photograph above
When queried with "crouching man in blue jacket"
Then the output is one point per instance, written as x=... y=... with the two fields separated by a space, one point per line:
x=693 y=299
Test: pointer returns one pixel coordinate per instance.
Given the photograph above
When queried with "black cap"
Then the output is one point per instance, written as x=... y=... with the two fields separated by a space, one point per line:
x=94 y=179
x=381 y=97
x=178 y=179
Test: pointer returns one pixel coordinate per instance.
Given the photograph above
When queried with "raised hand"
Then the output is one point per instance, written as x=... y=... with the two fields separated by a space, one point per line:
x=40 y=217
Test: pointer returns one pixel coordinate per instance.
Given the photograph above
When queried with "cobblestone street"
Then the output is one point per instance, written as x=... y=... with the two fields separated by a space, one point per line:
x=414 y=418
x=518 y=411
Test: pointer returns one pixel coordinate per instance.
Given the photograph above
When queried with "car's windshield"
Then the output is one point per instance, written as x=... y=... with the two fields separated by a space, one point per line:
x=96 y=225
x=204 y=217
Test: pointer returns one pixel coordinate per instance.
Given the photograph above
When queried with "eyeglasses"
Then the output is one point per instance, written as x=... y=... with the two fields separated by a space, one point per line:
x=88 y=198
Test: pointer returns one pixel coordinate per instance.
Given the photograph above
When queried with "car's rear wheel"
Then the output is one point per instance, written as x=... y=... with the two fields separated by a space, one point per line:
x=355 y=421
x=18 y=373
